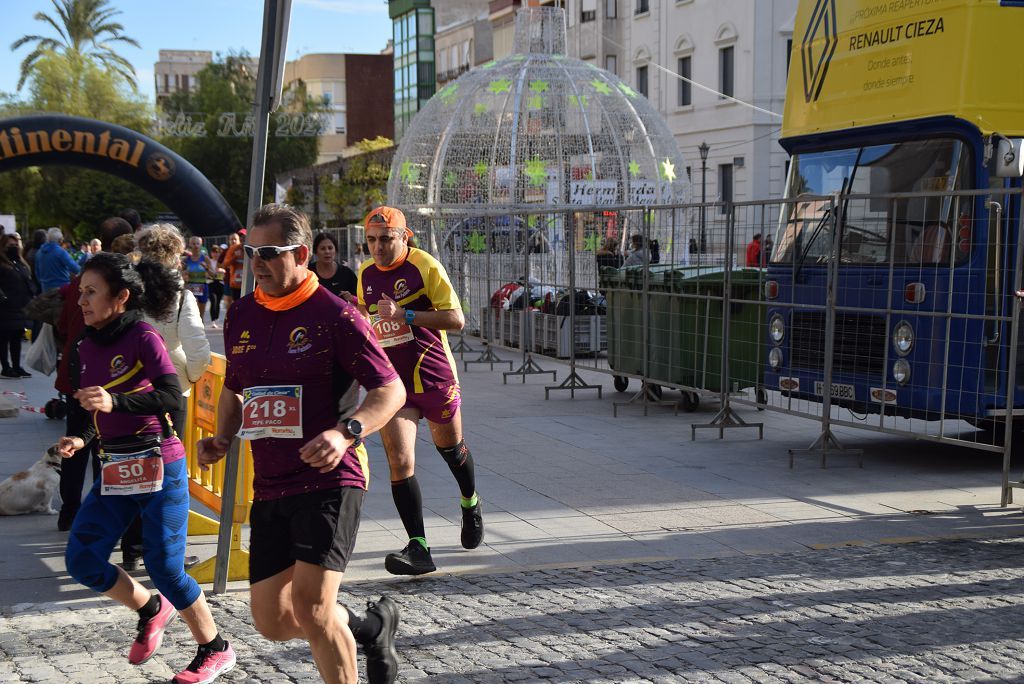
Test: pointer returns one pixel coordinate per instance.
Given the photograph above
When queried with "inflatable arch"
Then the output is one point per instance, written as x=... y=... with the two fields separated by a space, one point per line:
x=56 y=139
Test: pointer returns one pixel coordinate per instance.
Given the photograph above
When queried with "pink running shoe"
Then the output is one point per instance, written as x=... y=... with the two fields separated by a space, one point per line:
x=207 y=666
x=151 y=633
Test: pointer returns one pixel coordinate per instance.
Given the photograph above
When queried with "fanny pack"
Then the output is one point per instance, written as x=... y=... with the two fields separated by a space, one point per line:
x=130 y=445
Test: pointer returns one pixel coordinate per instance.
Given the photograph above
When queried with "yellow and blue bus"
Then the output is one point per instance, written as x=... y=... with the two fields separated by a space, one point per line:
x=904 y=121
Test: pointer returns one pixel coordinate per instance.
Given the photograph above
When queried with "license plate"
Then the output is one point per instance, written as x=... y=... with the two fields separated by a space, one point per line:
x=839 y=391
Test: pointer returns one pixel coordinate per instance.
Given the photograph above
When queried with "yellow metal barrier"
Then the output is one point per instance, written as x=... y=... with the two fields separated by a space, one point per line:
x=206 y=485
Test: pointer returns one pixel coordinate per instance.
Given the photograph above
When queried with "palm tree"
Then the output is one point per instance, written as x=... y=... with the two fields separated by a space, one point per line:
x=85 y=31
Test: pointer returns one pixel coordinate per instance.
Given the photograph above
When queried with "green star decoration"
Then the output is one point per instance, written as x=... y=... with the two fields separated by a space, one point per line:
x=539 y=86
x=634 y=169
x=601 y=87
x=668 y=170
x=531 y=221
x=590 y=243
x=447 y=94
x=488 y=65
x=502 y=85
x=477 y=243
x=535 y=102
x=537 y=170
x=409 y=173
x=578 y=100
x=480 y=108
x=627 y=91
x=450 y=179
x=480 y=169
x=589 y=175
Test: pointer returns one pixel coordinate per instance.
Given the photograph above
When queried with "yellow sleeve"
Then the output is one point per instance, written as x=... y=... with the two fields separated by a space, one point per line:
x=359 y=285
x=439 y=288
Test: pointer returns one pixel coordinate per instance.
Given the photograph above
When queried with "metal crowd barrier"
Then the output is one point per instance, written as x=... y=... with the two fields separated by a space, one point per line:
x=698 y=320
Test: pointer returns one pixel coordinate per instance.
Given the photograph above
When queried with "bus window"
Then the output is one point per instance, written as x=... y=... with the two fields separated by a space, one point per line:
x=917 y=230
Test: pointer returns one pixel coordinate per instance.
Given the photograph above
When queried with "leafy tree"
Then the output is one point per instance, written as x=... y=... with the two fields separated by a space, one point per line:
x=226 y=91
x=362 y=183
x=85 y=34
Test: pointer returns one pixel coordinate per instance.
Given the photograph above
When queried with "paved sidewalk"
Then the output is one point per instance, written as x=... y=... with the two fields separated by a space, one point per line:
x=689 y=538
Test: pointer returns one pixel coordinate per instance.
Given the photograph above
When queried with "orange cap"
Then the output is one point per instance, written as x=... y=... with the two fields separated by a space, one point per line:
x=389 y=217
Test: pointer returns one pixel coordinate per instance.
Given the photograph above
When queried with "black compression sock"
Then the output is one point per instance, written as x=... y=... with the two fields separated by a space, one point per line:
x=218 y=643
x=365 y=629
x=409 y=502
x=460 y=462
x=151 y=608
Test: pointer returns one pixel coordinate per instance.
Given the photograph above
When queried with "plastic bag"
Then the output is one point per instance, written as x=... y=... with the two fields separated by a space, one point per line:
x=42 y=355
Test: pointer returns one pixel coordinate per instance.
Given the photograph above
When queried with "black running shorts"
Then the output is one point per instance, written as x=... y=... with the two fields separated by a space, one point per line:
x=318 y=528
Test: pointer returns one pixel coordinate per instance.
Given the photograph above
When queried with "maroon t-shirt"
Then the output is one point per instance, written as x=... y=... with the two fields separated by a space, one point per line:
x=127 y=366
x=321 y=347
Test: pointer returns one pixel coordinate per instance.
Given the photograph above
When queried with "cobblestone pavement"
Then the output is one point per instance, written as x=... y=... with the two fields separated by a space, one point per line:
x=947 y=611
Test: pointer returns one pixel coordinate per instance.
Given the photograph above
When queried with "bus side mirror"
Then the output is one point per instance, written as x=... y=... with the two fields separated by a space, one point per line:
x=1008 y=160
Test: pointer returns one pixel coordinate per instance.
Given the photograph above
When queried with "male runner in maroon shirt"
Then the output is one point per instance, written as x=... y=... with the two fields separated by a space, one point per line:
x=293 y=352
x=411 y=304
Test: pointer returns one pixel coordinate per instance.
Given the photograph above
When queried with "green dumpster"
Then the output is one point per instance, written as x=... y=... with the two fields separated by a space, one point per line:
x=684 y=331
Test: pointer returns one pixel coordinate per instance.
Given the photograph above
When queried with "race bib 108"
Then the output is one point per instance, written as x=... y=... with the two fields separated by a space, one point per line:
x=390 y=333
x=271 y=411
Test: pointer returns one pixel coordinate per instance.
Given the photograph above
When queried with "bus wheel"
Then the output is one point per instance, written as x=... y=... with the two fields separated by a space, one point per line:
x=621 y=383
x=689 y=401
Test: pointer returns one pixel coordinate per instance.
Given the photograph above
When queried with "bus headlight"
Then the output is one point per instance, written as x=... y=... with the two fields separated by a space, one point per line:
x=775 y=358
x=901 y=371
x=903 y=338
x=777 y=329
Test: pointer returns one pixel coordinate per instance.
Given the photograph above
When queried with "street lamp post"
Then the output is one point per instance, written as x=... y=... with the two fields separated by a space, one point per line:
x=703 y=149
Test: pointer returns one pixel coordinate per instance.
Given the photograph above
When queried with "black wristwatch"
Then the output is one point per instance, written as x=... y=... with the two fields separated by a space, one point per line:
x=355 y=430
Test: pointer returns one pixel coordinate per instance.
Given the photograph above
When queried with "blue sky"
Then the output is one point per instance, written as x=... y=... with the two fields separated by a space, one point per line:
x=217 y=25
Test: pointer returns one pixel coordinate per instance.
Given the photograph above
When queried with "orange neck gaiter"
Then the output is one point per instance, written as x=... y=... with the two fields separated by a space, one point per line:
x=289 y=301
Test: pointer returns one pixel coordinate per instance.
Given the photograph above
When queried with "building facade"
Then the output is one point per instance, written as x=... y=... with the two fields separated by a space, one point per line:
x=462 y=45
x=356 y=90
x=177 y=71
x=414 y=28
x=736 y=47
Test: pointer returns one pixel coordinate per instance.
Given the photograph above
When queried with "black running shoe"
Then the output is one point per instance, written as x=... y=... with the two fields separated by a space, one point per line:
x=22 y=373
x=381 y=655
x=412 y=560
x=472 y=526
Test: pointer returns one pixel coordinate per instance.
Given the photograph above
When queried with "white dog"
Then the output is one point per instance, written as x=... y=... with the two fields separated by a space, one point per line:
x=31 y=491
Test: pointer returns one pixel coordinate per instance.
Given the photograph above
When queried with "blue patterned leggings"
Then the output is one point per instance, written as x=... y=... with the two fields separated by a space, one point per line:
x=102 y=519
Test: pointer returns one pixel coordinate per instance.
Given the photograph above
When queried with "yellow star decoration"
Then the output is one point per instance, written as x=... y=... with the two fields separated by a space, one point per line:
x=578 y=100
x=627 y=91
x=634 y=169
x=668 y=170
x=502 y=85
x=601 y=87
x=539 y=86
x=479 y=108
x=537 y=170
x=535 y=102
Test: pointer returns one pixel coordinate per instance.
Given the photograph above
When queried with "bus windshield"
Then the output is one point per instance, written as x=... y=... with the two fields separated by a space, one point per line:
x=923 y=226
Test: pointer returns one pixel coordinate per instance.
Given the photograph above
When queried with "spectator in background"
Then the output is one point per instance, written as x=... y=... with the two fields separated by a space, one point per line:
x=754 y=252
x=638 y=254
x=216 y=282
x=336 y=277
x=197 y=273
x=54 y=266
x=16 y=289
x=38 y=240
x=234 y=265
x=608 y=255
x=133 y=219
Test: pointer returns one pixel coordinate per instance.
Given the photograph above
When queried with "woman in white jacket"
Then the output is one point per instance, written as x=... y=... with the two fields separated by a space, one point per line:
x=184 y=335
